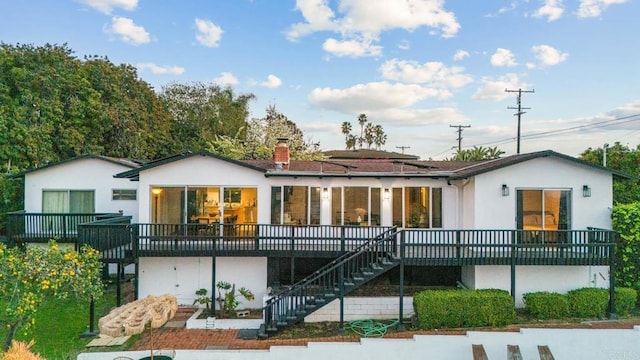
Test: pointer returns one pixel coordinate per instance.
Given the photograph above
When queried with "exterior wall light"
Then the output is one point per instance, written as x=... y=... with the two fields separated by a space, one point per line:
x=586 y=191
x=325 y=193
x=387 y=194
x=505 y=190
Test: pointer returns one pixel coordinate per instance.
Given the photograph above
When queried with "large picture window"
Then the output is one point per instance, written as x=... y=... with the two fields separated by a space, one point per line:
x=295 y=205
x=204 y=205
x=68 y=201
x=543 y=209
x=417 y=207
x=355 y=205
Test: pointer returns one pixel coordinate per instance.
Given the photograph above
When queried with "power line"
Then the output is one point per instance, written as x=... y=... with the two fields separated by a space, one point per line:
x=595 y=125
x=519 y=108
x=460 y=128
x=601 y=124
x=403 y=147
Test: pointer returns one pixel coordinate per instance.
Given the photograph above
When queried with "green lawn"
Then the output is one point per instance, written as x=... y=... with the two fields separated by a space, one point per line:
x=60 y=324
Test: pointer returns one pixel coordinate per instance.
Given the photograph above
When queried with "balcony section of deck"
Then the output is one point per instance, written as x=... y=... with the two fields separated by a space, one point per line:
x=23 y=227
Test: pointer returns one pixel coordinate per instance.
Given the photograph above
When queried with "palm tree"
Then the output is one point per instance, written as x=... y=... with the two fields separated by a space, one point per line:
x=494 y=152
x=369 y=135
x=346 y=131
x=351 y=142
x=362 y=119
x=379 y=137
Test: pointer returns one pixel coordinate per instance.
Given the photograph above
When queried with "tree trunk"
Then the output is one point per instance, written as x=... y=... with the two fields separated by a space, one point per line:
x=11 y=332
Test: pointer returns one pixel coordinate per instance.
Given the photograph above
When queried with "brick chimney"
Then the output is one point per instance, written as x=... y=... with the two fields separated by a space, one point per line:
x=281 y=154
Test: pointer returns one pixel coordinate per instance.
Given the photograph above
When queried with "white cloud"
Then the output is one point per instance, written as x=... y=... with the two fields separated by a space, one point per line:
x=593 y=8
x=272 y=82
x=160 y=70
x=547 y=56
x=106 y=6
x=226 y=79
x=552 y=10
x=373 y=17
x=128 y=31
x=364 y=20
x=459 y=55
x=371 y=96
x=503 y=57
x=435 y=74
x=352 y=48
x=318 y=15
x=495 y=89
x=209 y=34
x=417 y=117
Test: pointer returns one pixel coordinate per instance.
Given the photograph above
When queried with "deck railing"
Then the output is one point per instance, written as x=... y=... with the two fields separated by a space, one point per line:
x=39 y=227
x=117 y=239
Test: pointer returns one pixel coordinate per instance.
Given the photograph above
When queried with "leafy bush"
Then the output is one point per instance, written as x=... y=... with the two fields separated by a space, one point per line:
x=625 y=300
x=626 y=222
x=546 y=305
x=588 y=302
x=463 y=308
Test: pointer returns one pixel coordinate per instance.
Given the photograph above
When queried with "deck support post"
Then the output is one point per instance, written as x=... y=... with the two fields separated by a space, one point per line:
x=92 y=314
x=513 y=267
x=119 y=271
x=213 y=282
x=341 y=287
x=401 y=290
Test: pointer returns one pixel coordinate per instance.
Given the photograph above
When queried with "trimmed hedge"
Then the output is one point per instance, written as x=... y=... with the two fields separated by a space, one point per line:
x=546 y=305
x=626 y=299
x=588 y=302
x=463 y=308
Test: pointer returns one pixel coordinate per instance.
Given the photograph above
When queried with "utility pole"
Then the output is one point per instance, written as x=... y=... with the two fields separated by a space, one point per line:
x=519 y=108
x=460 y=128
x=403 y=147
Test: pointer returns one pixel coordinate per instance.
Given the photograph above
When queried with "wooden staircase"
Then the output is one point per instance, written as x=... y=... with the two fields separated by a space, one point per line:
x=330 y=282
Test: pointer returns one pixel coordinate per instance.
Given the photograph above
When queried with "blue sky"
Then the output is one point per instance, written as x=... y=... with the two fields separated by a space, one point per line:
x=416 y=67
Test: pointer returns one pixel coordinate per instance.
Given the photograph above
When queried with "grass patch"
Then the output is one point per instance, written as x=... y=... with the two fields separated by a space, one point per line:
x=60 y=324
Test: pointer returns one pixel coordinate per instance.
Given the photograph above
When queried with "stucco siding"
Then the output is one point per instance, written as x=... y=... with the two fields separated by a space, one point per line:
x=494 y=211
x=81 y=174
x=183 y=276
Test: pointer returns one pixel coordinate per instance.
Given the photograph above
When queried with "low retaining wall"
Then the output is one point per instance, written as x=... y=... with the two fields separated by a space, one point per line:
x=360 y=308
x=218 y=324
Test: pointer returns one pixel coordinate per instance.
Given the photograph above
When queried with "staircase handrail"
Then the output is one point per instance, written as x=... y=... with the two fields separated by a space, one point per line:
x=382 y=235
x=291 y=290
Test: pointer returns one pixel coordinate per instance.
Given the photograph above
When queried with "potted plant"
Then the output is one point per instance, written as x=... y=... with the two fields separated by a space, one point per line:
x=228 y=298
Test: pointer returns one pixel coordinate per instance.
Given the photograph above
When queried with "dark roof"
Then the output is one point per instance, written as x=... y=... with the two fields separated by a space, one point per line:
x=372 y=167
x=367 y=154
x=119 y=161
x=134 y=173
x=490 y=165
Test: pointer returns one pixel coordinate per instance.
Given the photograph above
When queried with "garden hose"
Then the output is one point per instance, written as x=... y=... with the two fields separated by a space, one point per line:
x=371 y=327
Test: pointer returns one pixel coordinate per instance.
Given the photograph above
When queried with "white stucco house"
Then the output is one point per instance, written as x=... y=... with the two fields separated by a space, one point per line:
x=528 y=222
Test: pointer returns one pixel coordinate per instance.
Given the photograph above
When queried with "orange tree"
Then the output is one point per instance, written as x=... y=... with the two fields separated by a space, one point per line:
x=31 y=275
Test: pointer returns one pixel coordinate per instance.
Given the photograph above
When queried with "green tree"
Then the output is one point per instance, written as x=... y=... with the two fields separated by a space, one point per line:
x=346 y=131
x=352 y=140
x=379 y=137
x=362 y=120
x=130 y=120
x=262 y=136
x=620 y=158
x=203 y=111
x=626 y=222
x=477 y=153
x=29 y=276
